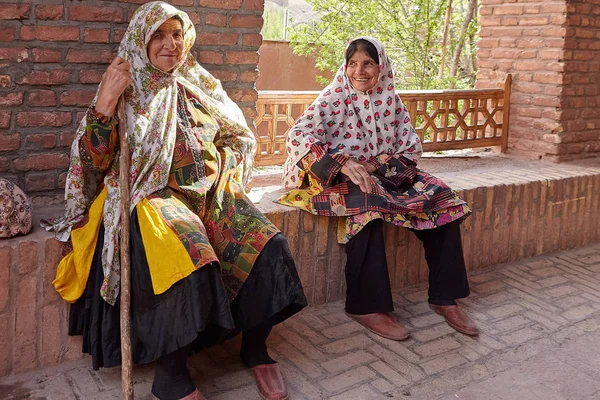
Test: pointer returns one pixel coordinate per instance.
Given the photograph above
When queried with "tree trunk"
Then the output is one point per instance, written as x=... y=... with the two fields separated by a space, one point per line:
x=461 y=38
x=445 y=39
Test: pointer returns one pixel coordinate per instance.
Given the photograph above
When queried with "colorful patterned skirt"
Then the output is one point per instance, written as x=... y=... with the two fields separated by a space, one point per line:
x=200 y=309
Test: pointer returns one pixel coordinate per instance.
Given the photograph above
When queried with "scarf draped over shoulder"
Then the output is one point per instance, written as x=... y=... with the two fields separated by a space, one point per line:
x=363 y=125
x=151 y=108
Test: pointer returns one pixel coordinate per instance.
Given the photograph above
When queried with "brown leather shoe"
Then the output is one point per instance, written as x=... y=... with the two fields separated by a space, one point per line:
x=456 y=318
x=195 y=395
x=382 y=324
x=269 y=382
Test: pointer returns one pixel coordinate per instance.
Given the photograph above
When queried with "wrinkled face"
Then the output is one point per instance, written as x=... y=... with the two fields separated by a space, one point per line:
x=362 y=71
x=165 y=47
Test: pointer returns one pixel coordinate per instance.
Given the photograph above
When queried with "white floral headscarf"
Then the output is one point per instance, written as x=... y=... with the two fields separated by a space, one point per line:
x=151 y=106
x=361 y=124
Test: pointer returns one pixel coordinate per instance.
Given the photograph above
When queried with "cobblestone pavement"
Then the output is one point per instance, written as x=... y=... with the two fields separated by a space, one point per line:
x=540 y=340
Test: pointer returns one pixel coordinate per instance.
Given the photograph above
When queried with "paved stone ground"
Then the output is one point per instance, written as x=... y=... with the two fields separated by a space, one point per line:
x=540 y=340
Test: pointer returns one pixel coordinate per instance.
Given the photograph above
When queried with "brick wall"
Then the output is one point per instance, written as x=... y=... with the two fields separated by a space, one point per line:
x=52 y=57
x=551 y=48
x=516 y=214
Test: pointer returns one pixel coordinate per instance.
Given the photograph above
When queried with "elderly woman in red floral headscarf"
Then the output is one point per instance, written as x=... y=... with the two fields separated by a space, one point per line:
x=206 y=264
x=353 y=154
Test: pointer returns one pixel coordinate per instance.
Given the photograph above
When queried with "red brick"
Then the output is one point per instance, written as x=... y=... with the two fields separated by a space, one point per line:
x=216 y=19
x=80 y=116
x=89 y=13
x=50 y=12
x=4 y=167
x=54 y=77
x=96 y=35
x=17 y=54
x=242 y=94
x=249 y=76
x=5 y=119
x=242 y=57
x=11 y=99
x=52 y=257
x=62 y=179
x=7 y=34
x=553 y=8
x=25 y=346
x=548 y=77
x=42 y=162
x=40 y=182
x=51 y=346
x=211 y=57
x=28 y=256
x=81 y=98
x=5 y=264
x=9 y=142
x=50 y=33
x=245 y=21
x=90 y=76
x=252 y=39
x=14 y=11
x=5 y=81
x=119 y=33
x=254 y=5
x=42 y=98
x=42 y=55
x=225 y=76
x=40 y=141
x=43 y=118
x=65 y=139
x=221 y=4
x=220 y=39
x=195 y=17
x=182 y=2
x=90 y=56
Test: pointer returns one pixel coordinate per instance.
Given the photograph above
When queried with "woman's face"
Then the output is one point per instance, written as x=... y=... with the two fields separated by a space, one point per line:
x=362 y=71
x=165 y=48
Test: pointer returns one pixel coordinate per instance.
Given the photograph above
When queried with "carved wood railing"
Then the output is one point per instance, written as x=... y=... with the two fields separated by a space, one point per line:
x=443 y=119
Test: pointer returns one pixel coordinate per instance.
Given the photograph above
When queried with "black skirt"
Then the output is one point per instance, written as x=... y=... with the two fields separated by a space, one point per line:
x=195 y=310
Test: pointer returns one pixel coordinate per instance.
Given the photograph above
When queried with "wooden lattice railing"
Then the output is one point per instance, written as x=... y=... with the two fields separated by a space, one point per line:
x=443 y=119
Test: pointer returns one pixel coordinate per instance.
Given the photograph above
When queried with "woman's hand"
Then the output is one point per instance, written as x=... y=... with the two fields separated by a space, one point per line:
x=359 y=174
x=114 y=82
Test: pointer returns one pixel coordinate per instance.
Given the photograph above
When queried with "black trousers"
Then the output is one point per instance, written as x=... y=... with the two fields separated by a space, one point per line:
x=367 y=279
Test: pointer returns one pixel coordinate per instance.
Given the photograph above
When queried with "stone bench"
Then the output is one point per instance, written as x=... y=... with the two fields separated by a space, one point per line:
x=520 y=209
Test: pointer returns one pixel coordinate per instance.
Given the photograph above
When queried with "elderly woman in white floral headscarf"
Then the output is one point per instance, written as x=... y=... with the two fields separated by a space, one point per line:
x=206 y=264
x=353 y=154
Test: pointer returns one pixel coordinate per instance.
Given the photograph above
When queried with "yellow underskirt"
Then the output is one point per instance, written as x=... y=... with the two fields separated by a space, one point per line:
x=162 y=246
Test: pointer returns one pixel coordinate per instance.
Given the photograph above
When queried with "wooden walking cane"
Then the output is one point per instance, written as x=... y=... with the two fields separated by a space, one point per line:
x=126 y=359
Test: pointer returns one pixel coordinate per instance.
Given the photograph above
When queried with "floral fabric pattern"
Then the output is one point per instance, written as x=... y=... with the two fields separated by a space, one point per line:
x=361 y=124
x=15 y=210
x=372 y=127
x=151 y=108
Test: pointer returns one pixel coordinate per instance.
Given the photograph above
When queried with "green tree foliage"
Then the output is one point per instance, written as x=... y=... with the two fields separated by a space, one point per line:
x=411 y=31
x=273 y=23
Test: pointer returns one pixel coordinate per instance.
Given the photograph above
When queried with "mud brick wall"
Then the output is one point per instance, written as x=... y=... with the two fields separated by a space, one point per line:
x=552 y=49
x=53 y=54
x=516 y=214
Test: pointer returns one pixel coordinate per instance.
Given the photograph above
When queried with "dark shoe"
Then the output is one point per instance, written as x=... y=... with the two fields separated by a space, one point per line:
x=381 y=324
x=269 y=382
x=456 y=318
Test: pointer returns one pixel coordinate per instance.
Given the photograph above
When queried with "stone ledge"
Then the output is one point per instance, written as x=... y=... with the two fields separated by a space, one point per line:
x=518 y=212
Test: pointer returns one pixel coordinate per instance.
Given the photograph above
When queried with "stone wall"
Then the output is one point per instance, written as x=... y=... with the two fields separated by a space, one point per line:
x=552 y=49
x=52 y=56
